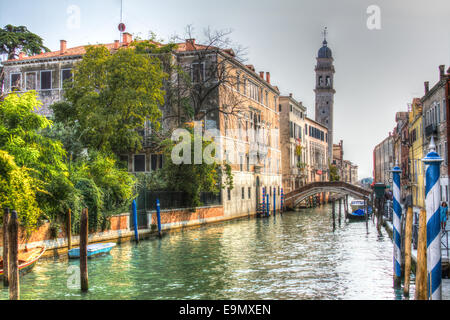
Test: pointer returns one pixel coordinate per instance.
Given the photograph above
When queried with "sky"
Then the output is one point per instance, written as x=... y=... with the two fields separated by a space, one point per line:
x=378 y=71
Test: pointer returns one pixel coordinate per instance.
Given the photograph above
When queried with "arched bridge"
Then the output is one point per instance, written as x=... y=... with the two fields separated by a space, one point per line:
x=293 y=199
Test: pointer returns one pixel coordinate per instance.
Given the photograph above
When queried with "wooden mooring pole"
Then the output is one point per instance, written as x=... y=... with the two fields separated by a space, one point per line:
x=13 y=230
x=340 y=209
x=5 y=247
x=334 y=215
x=83 y=250
x=69 y=230
x=421 y=269
x=408 y=238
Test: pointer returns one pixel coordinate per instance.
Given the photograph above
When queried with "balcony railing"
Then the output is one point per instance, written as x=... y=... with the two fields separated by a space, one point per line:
x=430 y=130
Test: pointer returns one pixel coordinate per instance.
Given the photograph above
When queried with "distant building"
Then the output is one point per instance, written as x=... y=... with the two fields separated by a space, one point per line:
x=338 y=158
x=435 y=124
x=416 y=155
x=293 y=143
x=316 y=151
x=401 y=148
x=383 y=160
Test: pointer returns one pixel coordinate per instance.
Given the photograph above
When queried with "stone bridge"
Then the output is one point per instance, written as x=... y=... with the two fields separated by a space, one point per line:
x=293 y=199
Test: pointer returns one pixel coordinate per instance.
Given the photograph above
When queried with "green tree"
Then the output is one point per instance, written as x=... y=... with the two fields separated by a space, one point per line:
x=192 y=179
x=21 y=136
x=111 y=96
x=334 y=174
x=18 y=191
x=15 y=39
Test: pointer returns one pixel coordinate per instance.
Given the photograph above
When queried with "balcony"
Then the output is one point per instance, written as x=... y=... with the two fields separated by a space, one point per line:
x=430 y=130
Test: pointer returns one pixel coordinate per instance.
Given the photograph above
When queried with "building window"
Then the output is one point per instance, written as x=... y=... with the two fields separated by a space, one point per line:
x=243 y=193
x=247 y=160
x=198 y=72
x=238 y=83
x=154 y=161
x=241 y=163
x=46 y=80
x=16 y=82
x=249 y=192
x=139 y=163
x=66 y=75
x=30 y=81
x=228 y=194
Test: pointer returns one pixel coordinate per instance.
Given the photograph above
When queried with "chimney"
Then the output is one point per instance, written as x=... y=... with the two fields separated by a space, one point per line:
x=441 y=71
x=427 y=86
x=116 y=44
x=190 y=44
x=268 y=77
x=127 y=38
x=261 y=74
x=62 y=46
x=290 y=95
x=21 y=55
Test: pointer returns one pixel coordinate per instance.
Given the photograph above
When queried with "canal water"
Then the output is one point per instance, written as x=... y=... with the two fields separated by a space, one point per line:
x=293 y=256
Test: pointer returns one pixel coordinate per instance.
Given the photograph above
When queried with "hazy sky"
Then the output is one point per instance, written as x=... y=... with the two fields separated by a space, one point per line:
x=377 y=71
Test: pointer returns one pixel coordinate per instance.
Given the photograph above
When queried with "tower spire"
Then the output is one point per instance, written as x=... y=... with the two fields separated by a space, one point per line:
x=325 y=32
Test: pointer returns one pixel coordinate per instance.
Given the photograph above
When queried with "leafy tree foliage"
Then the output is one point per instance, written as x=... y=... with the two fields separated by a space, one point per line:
x=15 y=39
x=18 y=191
x=112 y=95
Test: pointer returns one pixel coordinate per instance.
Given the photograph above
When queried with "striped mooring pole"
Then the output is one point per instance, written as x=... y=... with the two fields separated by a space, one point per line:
x=282 y=201
x=397 y=222
x=264 y=199
x=135 y=221
x=268 y=205
x=158 y=217
x=274 y=201
x=432 y=163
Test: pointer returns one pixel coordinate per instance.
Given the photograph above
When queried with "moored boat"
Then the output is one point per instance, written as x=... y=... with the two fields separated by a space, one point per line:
x=92 y=250
x=27 y=259
x=357 y=210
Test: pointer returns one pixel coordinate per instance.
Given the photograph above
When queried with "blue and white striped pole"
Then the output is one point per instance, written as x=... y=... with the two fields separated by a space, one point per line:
x=268 y=204
x=397 y=221
x=158 y=217
x=274 y=201
x=282 y=201
x=264 y=199
x=432 y=163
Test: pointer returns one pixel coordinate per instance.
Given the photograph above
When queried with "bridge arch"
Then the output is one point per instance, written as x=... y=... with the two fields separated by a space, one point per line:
x=293 y=199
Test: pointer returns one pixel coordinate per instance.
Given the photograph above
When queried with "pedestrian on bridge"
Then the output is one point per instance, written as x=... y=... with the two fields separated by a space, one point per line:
x=444 y=212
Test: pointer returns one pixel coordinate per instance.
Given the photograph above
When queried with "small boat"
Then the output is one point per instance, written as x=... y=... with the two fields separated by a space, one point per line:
x=27 y=259
x=92 y=250
x=358 y=212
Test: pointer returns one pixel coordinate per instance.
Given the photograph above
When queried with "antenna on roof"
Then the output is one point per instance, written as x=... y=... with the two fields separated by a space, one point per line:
x=121 y=24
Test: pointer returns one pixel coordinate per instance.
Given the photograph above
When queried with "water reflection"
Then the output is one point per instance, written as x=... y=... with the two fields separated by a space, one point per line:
x=291 y=256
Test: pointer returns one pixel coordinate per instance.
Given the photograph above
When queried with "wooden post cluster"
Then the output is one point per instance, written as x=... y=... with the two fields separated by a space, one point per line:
x=5 y=247
x=408 y=238
x=421 y=269
x=13 y=242
x=83 y=250
x=340 y=209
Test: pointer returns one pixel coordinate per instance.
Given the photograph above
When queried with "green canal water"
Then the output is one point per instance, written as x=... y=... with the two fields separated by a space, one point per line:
x=293 y=256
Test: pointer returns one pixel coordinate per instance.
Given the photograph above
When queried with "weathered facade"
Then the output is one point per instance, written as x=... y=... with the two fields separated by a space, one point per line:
x=383 y=156
x=293 y=143
x=435 y=124
x=316 y=137
x=243 y=108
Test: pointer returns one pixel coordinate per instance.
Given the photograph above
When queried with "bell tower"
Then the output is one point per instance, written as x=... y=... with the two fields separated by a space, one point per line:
x=325 y=90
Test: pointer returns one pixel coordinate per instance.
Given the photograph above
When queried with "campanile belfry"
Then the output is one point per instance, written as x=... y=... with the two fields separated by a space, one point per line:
x=325 y=90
